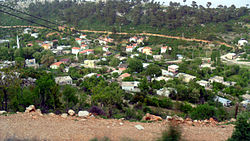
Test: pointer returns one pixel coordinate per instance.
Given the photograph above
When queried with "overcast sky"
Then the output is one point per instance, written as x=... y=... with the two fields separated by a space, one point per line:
x=215 y=3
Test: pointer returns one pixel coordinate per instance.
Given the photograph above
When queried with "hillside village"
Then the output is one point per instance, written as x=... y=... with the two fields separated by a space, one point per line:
x=136 y=66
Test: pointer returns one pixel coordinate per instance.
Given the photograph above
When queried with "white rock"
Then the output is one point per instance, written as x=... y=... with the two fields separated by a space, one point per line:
x=71 y=112
x=52 y=114
x=121 y=123
x=169 y=118
x=64 y=115
x=30 y=108
x=195 y=121
x=139 y=127
x=83 y=113
x=2 y=112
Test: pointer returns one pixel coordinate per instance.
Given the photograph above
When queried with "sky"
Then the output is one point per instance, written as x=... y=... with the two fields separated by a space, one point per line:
x=215 y=3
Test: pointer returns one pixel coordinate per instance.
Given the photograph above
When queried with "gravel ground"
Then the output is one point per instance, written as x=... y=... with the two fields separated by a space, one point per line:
x=33 y=126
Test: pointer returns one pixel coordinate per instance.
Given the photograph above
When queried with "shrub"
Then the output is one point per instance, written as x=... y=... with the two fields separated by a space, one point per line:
x=242 y=128
x=203 y=112
x=96 y=110
x=186 y=107
x=172 y=134
x=166 y=103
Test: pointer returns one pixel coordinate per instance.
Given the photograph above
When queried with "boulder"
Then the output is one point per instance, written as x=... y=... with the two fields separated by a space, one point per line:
x=139 y=127
x=83 y=113
x=71 y=112
x=2 y=112
x=151 y=117
x=29 y=109
x=169 y=118
x=64 y=115
x=232 y=120
x=51 y=114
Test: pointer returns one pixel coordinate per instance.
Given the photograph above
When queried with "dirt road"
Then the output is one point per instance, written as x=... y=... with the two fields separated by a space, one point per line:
x=26 y=126
x=124 y=33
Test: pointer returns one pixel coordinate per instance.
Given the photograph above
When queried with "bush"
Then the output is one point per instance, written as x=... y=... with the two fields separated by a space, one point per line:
x=166 y=103
x=242 y=128
x=96 y=110
x=172 y=134
x=203 y=112
x=186 y=107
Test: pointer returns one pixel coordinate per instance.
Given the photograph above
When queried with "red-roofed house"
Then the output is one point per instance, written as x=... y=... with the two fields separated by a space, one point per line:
x=83 y=36
x=78 y=40
x=164 y=49
x=147 y=50
x=46 y=46
x=129 y=48
x=124 y=75
x=87 y=52
x=133 y=39
x=75 y=50
x=55 y=65
x=83 y=47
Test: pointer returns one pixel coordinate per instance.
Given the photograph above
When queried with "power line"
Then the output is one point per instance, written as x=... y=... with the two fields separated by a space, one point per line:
x=29 y=21
x=38 y=18
x=28 y=14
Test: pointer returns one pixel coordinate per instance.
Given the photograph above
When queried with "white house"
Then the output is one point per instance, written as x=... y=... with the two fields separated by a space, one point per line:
x=83 y=47
x=78 y=40
x=83 y=36
x=131 y=86
x=157 y=57
x=55 y=65
x=231 y=56
x=165 y=91
x=186 y=77
x=173 y=68
x=242 y=42
x=75 y=50
x=31 y=63
x=35 y=35
x=106 y=48
x=223 y=101
x=218 y=79
x=133 y=39
x=63 y=80
x=87 y=52
x=162 y=78
x=166 y=73
x=163 y=49
x=129 y=48
x=203 y=83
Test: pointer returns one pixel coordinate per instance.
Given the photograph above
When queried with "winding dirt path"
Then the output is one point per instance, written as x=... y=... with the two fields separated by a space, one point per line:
x=124 y=33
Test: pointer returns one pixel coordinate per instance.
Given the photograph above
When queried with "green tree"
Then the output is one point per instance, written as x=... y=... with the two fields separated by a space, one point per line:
x=153 y=70
x=242 y=128
x=48 y=92
x=114 y=62
x=203 y=112
x=135 y=65
x=19 y=62
x=69 y=96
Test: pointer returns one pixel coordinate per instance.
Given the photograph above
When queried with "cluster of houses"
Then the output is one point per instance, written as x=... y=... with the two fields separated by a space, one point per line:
x=84 y=48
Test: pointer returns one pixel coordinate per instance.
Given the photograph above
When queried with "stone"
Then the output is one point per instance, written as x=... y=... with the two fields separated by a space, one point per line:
x=64 y=115
x=71 y=112
x=121 y=123
x=169 y=118
x=39 y=111
x=29 y=109
x=83 y=113
x=52 y=114
x=2 y=112
x=151 y=117
x=195 y=121
x=139 y=127
x=180 y=119
x=232 y=120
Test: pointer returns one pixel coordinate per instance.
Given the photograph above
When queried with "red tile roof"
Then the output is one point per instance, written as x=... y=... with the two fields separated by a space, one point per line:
x=75 y=48
x=87 y=50
x=57 y=64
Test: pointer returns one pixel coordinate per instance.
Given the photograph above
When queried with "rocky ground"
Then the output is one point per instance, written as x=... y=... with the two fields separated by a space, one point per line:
x=38 y=126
